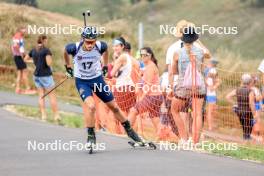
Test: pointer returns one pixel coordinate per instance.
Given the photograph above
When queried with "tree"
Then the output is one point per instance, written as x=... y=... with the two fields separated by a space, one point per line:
x=134 y=1
x=32 y=3
x=137 y=1
x=254 y=3
x=259 y=3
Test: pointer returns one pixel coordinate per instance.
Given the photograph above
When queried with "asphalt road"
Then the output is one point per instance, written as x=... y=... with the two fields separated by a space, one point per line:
x=118 y=158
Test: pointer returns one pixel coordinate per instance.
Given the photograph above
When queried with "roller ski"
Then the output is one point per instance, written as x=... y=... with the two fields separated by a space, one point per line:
x=137 y=141
x=149 y=145
x=91 y=142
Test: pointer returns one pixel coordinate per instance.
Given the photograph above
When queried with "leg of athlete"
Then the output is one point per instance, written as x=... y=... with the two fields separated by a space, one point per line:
x=89 y=118
x=125 y=123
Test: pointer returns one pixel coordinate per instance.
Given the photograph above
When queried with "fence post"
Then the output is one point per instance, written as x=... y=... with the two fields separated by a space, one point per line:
x=193 y=94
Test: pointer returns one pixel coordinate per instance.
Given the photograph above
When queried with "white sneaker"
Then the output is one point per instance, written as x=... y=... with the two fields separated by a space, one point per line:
x=43 y=117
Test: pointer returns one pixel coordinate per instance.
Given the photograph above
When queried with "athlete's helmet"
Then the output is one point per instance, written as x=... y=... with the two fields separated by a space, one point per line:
x=89 y=32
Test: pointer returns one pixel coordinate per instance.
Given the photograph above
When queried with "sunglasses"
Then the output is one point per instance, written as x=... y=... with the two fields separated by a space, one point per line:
x=89 y=42
x=144 y=55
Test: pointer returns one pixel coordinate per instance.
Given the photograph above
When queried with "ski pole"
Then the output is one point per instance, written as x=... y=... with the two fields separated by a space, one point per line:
x=56 y=86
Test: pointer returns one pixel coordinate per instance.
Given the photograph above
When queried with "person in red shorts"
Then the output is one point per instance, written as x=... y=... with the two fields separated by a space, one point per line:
x=152 y=95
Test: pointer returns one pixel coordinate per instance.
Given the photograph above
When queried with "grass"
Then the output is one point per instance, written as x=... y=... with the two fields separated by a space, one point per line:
x=72 y=120
x=245 y=152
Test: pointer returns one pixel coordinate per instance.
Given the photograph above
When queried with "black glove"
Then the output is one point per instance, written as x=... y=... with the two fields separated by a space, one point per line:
x=69 y=71
x=105 y=70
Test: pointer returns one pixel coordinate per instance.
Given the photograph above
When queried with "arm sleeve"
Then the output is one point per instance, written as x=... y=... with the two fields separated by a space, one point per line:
x=103 y=47
x=71 y=49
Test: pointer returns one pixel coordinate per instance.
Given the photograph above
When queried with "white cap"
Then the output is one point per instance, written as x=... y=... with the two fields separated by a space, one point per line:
x=212 y=71
x=246 y=78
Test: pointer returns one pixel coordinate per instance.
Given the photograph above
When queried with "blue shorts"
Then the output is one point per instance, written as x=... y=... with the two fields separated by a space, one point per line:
x=45 y=82
x=97 y=85
x=258 y=106
x=211 y=99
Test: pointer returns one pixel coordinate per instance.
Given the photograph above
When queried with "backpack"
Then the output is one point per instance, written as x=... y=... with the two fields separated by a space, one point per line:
x=188 y=77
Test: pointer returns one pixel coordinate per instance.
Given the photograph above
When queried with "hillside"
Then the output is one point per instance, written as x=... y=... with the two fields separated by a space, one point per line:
x=249 y=20
x=13 y=16
x=121 y=18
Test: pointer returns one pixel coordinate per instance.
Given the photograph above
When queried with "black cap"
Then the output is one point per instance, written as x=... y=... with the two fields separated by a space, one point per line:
x=127 y=46
x=189 y=35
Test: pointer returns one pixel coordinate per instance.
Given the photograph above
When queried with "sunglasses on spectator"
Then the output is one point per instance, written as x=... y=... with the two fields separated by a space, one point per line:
x=144 y=54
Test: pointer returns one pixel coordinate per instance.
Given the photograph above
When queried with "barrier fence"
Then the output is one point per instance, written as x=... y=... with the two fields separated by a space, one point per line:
x=156 y=121
x=226 y=124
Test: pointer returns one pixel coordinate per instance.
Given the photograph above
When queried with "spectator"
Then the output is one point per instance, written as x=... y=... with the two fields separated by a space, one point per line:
x=212 y=83
x=135 y=75
x=258 y=103
x=212 y=64
x=183 y=92
x=261 y=69
x=167 y=123
x=245 y=108
x=141 y=64
x=43 y=79
x=180 y=27
x=152 y=96
x=123 y=66
x=128 y=48
x=18 y=50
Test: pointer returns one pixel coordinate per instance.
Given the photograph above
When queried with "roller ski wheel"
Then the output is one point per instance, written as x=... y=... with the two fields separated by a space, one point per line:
x=149 y=145
x=90 y=149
